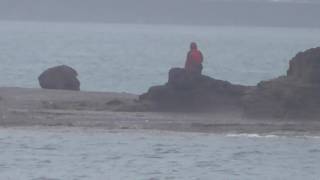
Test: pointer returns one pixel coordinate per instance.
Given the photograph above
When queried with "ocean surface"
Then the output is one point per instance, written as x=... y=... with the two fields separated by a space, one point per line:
x=131 y=58
x=76 y=154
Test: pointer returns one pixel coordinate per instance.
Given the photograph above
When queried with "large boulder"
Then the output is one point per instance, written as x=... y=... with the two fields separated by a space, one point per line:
x=193 y=92
x=59 y=77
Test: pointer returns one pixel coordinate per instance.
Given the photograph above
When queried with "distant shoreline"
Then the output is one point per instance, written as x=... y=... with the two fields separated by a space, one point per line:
x=243 y=13
x=32 y=21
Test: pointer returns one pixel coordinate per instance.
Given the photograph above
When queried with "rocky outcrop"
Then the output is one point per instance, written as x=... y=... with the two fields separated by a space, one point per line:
x=305 y=67
x=59 y=77
x=295 y=95
x=193 y=92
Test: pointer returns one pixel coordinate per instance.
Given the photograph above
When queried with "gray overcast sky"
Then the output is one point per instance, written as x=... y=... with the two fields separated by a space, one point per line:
x=305 y=13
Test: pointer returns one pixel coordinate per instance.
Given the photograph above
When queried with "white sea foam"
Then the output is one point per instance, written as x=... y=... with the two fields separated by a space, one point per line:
x=284 y=135
x=253 y=135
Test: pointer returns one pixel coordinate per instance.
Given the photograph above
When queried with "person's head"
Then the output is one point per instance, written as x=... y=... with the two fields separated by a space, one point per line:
x=193 y=46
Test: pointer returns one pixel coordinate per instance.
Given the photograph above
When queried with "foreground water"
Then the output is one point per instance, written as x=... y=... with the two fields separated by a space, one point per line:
x=73 y=153
x=131 y=58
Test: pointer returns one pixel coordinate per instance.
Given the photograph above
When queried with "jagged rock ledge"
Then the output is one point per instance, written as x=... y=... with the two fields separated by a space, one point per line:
x=295 y=95
x=194 y=93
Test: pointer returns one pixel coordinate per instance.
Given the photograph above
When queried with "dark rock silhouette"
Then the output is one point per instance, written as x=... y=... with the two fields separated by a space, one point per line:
x=292 y=96
x=59 y=77
x=193 y=92
x=305 y=66
x=296 y=95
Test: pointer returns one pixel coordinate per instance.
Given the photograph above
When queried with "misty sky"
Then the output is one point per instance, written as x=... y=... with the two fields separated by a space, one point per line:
x=288 y=13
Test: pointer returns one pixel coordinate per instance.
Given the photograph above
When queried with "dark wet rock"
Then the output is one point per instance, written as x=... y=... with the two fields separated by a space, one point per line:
x=283 y=99
x=194 y=92
x=294 y=96
x=60 y=77
x=305 y=67
x=115 y=102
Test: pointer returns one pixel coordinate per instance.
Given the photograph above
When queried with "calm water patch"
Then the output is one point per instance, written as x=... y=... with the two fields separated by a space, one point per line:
x=131 y=58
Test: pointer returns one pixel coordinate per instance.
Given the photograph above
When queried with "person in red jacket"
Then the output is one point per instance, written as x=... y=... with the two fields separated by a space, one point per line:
x=194 y=60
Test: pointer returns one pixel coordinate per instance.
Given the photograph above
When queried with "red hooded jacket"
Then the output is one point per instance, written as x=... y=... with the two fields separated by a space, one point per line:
x=194 y=59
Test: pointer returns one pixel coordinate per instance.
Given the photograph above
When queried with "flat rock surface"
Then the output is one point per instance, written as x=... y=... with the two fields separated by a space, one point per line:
x=37 y=107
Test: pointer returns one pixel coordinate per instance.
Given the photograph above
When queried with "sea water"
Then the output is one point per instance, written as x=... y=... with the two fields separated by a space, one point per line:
x=131 y=58
x=74 y=153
